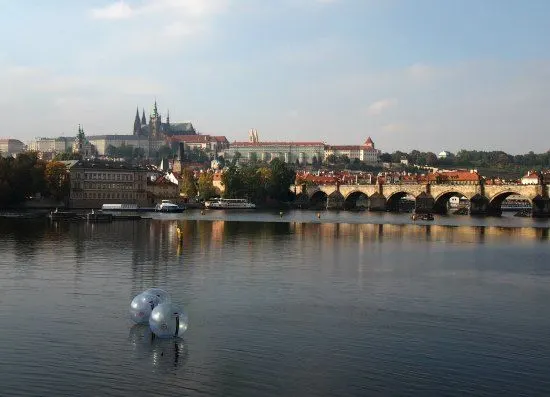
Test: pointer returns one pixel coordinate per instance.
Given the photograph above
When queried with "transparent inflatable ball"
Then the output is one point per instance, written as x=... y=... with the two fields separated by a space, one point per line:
x=168 y=321
x=142 y=305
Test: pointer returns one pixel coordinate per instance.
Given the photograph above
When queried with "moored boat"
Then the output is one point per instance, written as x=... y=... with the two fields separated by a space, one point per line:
x=62 y=215
x=168 y=206
x=99 y=217
x=422 y=217
x=220 y=203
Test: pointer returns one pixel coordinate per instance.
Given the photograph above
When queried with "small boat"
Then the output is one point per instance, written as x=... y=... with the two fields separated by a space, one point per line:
x=226 y=204
x=168 y=206
x=99 y=217
x=62 y=215
x=422 y=217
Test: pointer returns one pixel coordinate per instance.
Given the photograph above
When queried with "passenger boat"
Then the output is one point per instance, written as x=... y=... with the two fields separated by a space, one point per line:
x=168 y=206
x=224 y=204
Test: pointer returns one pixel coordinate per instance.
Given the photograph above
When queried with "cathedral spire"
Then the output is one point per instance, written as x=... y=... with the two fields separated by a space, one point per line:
x=168 y=116
x=137 y=123
x=155 y=109
x=143 y=119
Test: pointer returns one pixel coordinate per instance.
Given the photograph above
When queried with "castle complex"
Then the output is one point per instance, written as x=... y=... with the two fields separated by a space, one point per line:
x=149 y=135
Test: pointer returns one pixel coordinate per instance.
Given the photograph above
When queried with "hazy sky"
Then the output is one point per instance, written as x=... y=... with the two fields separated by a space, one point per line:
x=413 y=74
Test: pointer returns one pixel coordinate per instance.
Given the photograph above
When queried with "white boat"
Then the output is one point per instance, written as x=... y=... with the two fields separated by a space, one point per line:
x=119 y=207
x=168 y=206
x=221 y=203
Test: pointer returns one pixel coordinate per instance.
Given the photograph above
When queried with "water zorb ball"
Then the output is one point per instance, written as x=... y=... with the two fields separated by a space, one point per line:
x=168 y=321
x=164 y=297
x=142 y=306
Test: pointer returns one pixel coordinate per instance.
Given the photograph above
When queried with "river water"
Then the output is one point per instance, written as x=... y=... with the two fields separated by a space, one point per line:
x=293 y=305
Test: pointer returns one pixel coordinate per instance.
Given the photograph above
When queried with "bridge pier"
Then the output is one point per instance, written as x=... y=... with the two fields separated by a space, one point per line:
x=541 y=207
x=424 y=204
x=335 y=202
x=377 y=202
x=479 y=205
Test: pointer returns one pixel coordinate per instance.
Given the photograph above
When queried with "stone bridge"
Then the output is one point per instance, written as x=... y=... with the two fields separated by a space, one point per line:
x=484 y=199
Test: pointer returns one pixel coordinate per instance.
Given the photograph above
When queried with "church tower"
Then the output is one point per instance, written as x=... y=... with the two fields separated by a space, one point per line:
x=155 y=122
x=137 y=124
x=143 y=119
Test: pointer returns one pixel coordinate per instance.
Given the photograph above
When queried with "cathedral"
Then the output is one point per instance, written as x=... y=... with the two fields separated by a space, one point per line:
x=156 y=129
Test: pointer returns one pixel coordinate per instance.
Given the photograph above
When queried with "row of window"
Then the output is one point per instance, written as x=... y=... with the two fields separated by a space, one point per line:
x=117 y=186
x=107 y=176
x=122 y=196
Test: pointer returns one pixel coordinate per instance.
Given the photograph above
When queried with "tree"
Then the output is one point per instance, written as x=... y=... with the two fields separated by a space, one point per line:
x=65 y=156
x=236 y=158
x=332 y=159
x=165 y=151
x=232 y=181
x=206 y=186
x=280 y=180
x=57 y=179
x=431 y=159
x=187 y=183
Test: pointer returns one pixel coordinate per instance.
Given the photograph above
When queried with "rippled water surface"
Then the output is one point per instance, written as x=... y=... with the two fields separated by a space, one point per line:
x=291 y=305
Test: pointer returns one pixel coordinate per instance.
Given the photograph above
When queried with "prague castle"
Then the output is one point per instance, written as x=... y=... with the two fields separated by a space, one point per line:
x=147 y=135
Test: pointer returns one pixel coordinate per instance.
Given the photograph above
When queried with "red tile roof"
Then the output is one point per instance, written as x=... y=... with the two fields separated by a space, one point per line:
x=454 y=176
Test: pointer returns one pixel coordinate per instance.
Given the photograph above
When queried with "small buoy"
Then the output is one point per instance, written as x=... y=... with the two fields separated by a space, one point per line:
x=202 y=212
x=281 y=214
x=319 y=215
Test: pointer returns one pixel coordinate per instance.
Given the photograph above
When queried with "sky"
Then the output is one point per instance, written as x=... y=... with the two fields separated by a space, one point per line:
x=430 y=75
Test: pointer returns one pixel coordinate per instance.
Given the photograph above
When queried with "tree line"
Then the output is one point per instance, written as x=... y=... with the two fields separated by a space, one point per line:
x=472 y=158
x=26 y=175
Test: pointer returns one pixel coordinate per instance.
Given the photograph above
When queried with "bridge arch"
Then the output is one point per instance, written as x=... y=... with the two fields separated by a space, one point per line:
x=440 y=204
x=394 y=200
x=318 y=200
x=495 y=203
x=356 y=200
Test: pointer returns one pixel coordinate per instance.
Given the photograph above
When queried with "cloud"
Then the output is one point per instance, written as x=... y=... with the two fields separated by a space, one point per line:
x=118 y=10
x=381 y=106
x=394 y=127
x=171 y=8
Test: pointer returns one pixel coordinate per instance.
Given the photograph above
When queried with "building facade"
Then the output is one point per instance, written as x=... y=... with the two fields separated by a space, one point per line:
x=51 y=145
x=102 y=143
x=10 y=147
x=162 y=188
x=289 y=152
x=299 y=152
x=94 y=183
x=208 y=143
x=365 y=152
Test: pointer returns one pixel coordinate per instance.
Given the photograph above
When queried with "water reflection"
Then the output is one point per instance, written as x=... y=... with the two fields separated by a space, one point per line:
x=157 y=241
x=164 y=354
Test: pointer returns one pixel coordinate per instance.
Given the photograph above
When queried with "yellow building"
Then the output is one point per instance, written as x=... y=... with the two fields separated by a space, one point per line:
x=94 y=183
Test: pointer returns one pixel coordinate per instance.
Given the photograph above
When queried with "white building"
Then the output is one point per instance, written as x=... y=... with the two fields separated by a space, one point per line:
x=289 y=152
x=444 y=154
x=102 y=142
x=365 y=152
x=51 y=145
x=10 y=147
x=531 y=178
